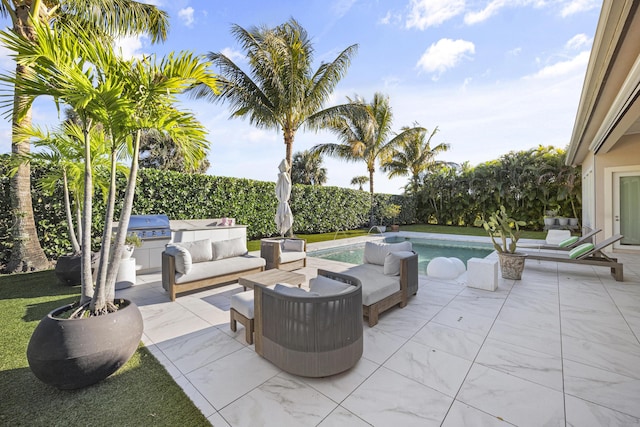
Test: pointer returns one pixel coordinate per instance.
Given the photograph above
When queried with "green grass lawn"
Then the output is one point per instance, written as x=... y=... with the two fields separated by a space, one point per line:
x=254 y=245
x=141 y=393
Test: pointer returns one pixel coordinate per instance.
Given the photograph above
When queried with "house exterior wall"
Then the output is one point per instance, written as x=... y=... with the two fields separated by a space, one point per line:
x=625 y=155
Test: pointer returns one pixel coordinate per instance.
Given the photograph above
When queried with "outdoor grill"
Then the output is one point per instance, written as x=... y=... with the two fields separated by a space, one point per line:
x=150 y=227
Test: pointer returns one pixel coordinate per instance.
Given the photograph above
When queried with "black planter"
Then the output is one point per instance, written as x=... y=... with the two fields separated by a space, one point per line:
x=75 y=353
x=69 y=268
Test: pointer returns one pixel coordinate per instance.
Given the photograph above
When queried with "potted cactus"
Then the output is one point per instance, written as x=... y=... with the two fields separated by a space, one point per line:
x=501 y=226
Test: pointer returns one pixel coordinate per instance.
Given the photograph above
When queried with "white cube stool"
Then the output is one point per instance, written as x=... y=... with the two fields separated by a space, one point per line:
x=482 y=273
x=242 y=311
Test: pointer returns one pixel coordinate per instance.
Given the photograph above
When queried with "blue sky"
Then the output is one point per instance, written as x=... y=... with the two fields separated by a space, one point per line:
x=493 y=75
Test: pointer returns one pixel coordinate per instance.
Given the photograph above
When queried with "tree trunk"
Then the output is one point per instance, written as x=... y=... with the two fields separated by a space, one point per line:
x=87 y=278
x=26 y=254
x=67 y=209
x=372 y=219
x=289 y=136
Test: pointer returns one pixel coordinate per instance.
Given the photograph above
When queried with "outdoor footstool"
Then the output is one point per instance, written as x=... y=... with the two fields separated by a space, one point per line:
x=242 y=311
x=482 y=273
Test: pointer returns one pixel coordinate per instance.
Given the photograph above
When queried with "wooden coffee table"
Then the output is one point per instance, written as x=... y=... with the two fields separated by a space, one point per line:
x=271 y=277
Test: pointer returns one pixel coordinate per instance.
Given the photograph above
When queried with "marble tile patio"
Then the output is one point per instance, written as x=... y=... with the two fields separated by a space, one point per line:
x=558 y=348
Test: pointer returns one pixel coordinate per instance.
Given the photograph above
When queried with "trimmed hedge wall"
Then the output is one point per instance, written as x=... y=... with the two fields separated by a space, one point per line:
x=194 y=196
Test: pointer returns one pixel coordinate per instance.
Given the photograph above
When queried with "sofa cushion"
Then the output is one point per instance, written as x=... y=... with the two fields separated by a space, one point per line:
x=375 y=252
x=200 y=250
x=392 y=262
x=295 y=245
x=181 y=256
x=205 y=270
x=229 y=248
x=375 y=285
x=288 y=256
x=325 y=286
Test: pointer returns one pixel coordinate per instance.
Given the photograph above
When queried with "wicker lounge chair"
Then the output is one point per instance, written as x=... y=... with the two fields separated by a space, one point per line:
x=594 y=256
x=311 y=336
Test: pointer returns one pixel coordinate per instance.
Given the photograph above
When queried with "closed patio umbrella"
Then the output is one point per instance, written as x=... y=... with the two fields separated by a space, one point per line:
x=284 y=216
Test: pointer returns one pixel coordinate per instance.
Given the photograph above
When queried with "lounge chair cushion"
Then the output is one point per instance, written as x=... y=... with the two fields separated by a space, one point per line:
x=375 y=285
x=569 y=241
x=392 y=262
x=290 y=256
x=375 y=253
x=229 y=248
x=182 y=257
x=295 y=245
x=292 y=291
x=325 y=286
x=580 y=250
x=200 y=250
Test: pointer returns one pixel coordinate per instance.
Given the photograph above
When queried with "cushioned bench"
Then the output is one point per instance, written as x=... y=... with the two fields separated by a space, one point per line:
x=197 y=265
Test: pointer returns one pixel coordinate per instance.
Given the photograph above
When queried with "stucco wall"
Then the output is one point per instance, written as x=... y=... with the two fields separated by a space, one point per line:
x=626 y=153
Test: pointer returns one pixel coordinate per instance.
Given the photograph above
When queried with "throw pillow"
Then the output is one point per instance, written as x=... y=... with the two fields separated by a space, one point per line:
x=200 y=250
x=567 y=242
x=182 y=258
x=325 y=286
x=295 y=245
x=229 y=248
x=392 y=262
x=375 y=253
x=580 y=250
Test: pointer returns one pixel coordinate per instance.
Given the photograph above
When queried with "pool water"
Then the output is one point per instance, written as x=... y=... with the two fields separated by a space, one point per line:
x=427 y=249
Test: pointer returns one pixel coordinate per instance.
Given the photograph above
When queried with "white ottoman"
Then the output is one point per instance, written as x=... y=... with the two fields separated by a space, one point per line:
x=482 y=273
x=242 y=311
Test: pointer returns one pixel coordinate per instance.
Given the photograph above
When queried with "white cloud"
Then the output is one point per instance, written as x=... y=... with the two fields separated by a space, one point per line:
x=130 y=47
x=234 y=55
x=186 y=16
x=445 y=54
x=577 y=6
x=579 y=41
x=570 y=66
x=428 y=13
x=342 y=7
x=515 y=52
x=490 y=9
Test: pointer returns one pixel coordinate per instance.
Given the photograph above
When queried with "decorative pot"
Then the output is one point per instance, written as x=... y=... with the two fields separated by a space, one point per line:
x=127 y=251
x=69 y=268
x=573 y=221
x=549 y=221
x=563 y=221
x=75 y=353
x=512 y=265
x=395 y=227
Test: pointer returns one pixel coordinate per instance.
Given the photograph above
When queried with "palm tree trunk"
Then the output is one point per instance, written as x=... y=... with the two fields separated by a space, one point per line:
x=87 y=278
x=125 y=215
x=26 y=254
x=372 y=220
x=67 y=209
x=289 y=136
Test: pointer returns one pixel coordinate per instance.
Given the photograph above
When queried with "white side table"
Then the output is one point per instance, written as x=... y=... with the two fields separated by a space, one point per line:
x=482 y=273
x=126 y=274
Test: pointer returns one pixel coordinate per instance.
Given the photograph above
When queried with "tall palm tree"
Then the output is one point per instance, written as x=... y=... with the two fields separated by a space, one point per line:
x=125 y=97
x=364 y=130
x=359 y=181
x=159 y=151
x=107 y=18
x=281 y=90
x=307 y=169
x=414 y=156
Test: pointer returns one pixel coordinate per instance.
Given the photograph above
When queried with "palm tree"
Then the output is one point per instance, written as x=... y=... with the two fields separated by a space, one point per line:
x=159 y=151
x=107 y=18
x=414 y=157
x=307 y=169
x=364 y=130
x=125 y=97
x=359 y=181
x=281 y=91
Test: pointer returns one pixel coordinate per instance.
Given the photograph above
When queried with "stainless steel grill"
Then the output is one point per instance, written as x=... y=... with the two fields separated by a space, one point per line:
x=150 y=227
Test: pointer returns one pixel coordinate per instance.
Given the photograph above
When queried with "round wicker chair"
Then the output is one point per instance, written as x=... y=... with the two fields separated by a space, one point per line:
x=311 y=336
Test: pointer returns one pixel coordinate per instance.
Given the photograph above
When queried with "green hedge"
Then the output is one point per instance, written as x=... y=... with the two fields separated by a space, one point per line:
x=193 y=196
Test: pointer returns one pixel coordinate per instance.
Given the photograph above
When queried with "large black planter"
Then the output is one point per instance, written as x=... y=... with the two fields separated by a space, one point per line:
x=75 y=353
x=69 y=268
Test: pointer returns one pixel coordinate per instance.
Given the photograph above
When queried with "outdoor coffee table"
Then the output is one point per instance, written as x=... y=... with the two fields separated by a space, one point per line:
x=271 y=277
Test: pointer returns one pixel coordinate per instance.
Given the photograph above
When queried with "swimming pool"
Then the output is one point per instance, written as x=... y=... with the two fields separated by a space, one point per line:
x=427 y=249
